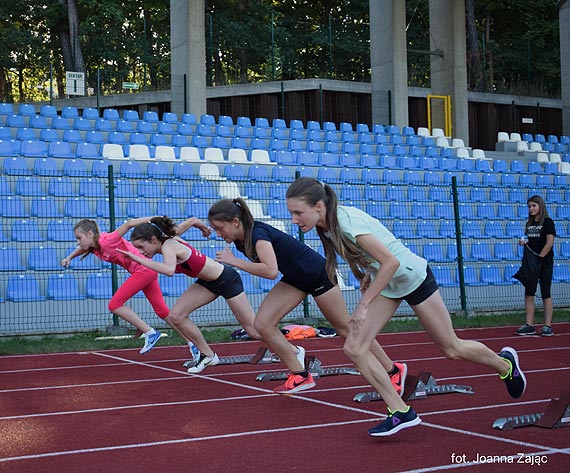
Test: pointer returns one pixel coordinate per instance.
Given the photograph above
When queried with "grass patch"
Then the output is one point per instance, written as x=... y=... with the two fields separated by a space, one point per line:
x=86 y=341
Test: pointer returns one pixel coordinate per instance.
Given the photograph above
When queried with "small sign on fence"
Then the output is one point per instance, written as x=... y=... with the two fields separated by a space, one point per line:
x=74 y=83
x=130 y=85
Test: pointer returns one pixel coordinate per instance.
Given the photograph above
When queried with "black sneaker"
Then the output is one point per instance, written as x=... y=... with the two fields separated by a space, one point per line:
x=514 y=379
x=546 y=331
x=526 y=329
x=395 y=422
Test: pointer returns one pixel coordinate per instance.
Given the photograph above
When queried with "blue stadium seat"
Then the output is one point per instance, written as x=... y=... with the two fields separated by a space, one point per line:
x=404 y=229
x=485 y=211
x=256 y=190
x=91 y=187
x=399 y=210
x=350 y=192
x=102 y=209
x=149 y=188
x=95 y=136
x=13 y=206
x=60 y=149
x=61 y=123
x=63 y=287
x=204 y=190
x=196 y=207
x=278 y=209
x=258 y=173
x=183 y=171
x=443 y=210
x=327 y=175
x=138 y=208
x=173 y=286
x=561 y=272
x=43 y=258
x=44 y=207
x=189 y=119
x=45 y=167
x=491 y=274
x=445 y=276
x=481 y=251
x=131 y=169
x=5 y=186
x=250 y=283
x=471 y=277
x=157 y=170
x=10 y=259
x=99 y=286
x=494 y=229
x=171 y=207
x=34 y=149
x=60 y=230
x=503 y=250
x=26 y=134
x=15 y=121
x=23 y=288
x=434 y=253
x=235 y=172
x=87 y=151
x=427 y=229
x=281 y=174
x=76 y=207
x=150 y=116
x=29 y=186
x=60 y=187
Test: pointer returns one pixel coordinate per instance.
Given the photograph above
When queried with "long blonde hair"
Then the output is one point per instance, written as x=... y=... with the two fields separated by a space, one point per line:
x=312 y=191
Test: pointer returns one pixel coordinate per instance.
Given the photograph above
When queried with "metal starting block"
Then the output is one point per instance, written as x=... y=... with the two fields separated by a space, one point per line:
x=418 y=387
x=314 y=367
x=263 y=355
x=556 y=415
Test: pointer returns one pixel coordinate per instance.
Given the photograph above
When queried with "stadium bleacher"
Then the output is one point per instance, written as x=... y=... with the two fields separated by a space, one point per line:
x=54 y=172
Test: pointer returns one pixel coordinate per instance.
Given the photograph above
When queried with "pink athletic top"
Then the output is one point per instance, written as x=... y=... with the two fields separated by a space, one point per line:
x=109 y=243
x=193 y=264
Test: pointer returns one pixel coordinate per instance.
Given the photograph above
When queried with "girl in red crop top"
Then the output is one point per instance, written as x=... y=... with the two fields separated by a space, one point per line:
x=158 y=235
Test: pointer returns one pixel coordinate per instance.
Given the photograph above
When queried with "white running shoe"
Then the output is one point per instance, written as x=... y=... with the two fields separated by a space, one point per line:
x=203 y=362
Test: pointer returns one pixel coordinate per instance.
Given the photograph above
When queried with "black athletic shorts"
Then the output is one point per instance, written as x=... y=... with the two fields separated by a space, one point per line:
x=317 y=288
x=425 y=289
x=228 y=285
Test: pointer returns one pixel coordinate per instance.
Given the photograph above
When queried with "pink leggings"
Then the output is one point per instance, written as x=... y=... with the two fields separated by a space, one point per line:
x=146 y=281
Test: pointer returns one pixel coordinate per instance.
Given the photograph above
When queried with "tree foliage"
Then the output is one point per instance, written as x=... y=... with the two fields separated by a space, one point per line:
x=512 y=46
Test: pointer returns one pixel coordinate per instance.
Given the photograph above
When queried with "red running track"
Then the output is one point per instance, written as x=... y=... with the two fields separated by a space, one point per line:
x=117 y=411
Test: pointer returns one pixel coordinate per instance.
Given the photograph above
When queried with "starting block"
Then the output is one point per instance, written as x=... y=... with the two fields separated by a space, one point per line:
x=418 y=387
x=556 y=415
x=314 y=367
x=263 y=355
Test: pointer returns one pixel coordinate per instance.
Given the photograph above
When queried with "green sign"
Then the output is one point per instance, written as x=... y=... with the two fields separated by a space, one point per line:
x=130 y=85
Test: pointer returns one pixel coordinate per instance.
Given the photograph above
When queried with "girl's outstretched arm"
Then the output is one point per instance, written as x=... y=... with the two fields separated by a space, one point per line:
x=134 y=222
x=267 y=266
x=167 y=266
x=194 y=222
x=76 y=252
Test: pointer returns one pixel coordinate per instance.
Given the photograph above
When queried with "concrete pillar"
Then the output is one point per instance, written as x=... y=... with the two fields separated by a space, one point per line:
x=388 y=60
x=449 y=73
x=564 y=25
x=188 y=56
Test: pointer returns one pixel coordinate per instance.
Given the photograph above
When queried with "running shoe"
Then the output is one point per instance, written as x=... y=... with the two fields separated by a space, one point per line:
x=295 y=383
x=203 y=362
x=399 y=379
x=514 y=379
x=395 y=422
x=301 y=356
x=150 y=341
x=546 y=331
x=526 y=329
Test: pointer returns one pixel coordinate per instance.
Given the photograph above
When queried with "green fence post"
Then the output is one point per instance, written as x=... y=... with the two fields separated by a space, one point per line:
x=462 y=296
x=302 y=240
x=115 y=328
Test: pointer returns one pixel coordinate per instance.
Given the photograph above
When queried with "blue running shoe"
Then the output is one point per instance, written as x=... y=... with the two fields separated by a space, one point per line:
x=514 y=379
x=150 y=341
x=395 y=422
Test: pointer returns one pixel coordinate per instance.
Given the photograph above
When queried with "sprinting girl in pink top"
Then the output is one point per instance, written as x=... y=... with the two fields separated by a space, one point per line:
x=105 y=245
